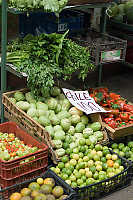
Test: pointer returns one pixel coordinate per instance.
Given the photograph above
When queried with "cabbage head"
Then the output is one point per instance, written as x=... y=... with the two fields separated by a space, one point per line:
x=71 y=130
x=55 y=120
x=63 y=114
x=60 y=152
x=32 y=112
x=45 y=92
x=33 y=105
x=41 y=105
x=93 y=139
x=51 y=113
x=57 y=144
x=59 y=135
x=24 y=105
x=99 y=135
x=41 y=112
x=50 y=130
x=55 y=91
x=61 y=96
x=58 y=108
x=66 y=104
x=75 y=111
x=96 y=126
x=75 y=119
x=44 y=121
x=30 y=97
x=19 y=96
x=84 y=119
x=52 y=103
x=88 y=131
x=57 y=128
x=65 y=123
x=79 y=127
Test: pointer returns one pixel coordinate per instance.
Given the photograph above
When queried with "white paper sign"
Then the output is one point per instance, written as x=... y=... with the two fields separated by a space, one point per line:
x=83 y=101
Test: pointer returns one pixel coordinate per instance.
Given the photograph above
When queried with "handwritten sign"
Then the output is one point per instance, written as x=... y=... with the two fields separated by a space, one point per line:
x=83 y=101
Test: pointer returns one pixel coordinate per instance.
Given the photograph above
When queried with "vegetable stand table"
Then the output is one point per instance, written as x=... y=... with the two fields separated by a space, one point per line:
x=4 y=67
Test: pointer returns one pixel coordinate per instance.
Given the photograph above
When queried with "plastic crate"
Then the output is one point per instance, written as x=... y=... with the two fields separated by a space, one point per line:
x=5 y=193
x=40 y=22
x=103 y=188
x=103 y=47
x=15 y=169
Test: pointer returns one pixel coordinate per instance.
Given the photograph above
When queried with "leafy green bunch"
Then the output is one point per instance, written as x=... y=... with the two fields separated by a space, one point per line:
x=47 y=5
x=47 y=58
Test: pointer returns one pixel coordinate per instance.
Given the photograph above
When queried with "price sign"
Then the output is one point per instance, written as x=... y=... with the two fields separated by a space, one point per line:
x=83 y=101
x=111 y=55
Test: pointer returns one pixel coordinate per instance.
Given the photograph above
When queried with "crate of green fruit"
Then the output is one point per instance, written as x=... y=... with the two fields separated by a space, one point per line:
x=96 y=174
x=21 y=156
x=46 y=186
x=53 y=119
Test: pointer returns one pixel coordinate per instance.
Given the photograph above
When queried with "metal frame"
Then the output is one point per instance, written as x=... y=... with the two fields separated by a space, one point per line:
x=4 y=68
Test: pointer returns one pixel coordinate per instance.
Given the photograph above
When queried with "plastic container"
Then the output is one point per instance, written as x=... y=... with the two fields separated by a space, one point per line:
x=40 y=22
x=18 y=169
x=107 y=186
x=5 y=193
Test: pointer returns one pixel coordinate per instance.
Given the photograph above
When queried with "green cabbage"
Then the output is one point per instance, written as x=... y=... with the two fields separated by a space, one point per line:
x=44 y=121
x=57 y=128
x=96 y=126
x=84 y=119
x=88 y=131
x=32 y=112
x=19 y=96
x=66 y=104
x=55 y=91
x=71 y=130
x=45 y=92
x=75 y=111
x=65 y=123
x=24 y=105
x=57 y=144
x=60 y=152
x=50 y=130
x=52 y=103
x=59 y=135
x=79 y=127
x=63 y=114
x=58 y=108
x=99 y=135
x=51 y=113
x=55 y=120
x=75 y=119
x=33 y=105
x=30 y=97
x=42 y=106
x=93 y=139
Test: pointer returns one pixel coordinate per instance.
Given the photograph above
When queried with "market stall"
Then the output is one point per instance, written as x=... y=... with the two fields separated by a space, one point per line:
x=62 y=142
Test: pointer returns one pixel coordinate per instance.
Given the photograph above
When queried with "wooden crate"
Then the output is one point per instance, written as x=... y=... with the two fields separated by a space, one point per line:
x=119 y=132
x=13 y=113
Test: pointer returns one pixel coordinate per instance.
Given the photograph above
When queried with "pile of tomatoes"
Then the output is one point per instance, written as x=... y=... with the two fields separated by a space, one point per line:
x=121 y=112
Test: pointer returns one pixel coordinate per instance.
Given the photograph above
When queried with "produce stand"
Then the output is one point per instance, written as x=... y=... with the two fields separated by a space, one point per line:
x=90 y=170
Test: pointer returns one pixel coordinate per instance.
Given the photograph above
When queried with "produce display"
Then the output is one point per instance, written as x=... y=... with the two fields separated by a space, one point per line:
x=12 y=147
x=122 y=12
x=121 y=112
x=42 y=189
x=47 y=58
x=66 y=125
x=124 y=150
x=86 y=166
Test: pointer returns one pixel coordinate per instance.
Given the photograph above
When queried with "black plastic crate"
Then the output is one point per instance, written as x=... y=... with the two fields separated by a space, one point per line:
x=6 y=192
x=103 y=47
x=103 y=188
